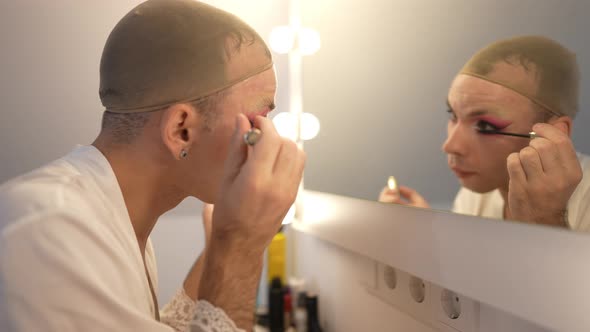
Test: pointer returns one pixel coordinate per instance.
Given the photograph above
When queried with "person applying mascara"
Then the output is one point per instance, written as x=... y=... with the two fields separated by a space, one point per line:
x=511 y=111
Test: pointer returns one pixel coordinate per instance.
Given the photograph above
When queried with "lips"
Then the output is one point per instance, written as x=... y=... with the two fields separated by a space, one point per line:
x=462 y=173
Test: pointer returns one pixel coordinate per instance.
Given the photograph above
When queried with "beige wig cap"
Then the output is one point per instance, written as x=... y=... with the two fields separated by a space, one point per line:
x=553 y=75
x=170 y=51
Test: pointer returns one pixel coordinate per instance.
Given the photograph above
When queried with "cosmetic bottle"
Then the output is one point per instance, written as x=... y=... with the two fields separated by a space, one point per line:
x=300 y=313
x=288 y=309
x=313 y=320
x=276 y=315
x=276 y=257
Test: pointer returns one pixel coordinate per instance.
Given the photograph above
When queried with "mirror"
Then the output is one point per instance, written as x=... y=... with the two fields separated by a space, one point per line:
x=379 y=84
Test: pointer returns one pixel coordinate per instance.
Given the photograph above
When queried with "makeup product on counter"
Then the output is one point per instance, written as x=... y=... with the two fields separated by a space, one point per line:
x=287 y=308
x=296 y=286
x=530 y=135
x=276 y=315
x=276 y=257
x=313 y=320
x=300 y=313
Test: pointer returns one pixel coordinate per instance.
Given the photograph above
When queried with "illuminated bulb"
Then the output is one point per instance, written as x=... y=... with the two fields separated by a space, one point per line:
x=282 y=39
x=391 y=183
x=290 y=215
x=286 y=125
x=309 y=41
x=310 y=126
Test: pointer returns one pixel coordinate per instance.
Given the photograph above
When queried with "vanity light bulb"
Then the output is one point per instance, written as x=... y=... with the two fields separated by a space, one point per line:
x=310 y=126
x=282 y=39
x=286 y=125
x=309 y=41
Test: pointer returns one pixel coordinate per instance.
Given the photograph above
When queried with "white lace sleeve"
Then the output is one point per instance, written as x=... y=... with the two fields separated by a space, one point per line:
x=182 y=310
x=179 y=312
x=211 y=319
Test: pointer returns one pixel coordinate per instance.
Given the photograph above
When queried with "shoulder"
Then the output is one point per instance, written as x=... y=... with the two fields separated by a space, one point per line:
x=46 y=190
x=579 y=203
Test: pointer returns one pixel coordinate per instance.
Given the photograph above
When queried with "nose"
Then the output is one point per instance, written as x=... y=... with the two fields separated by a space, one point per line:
x=457 y=140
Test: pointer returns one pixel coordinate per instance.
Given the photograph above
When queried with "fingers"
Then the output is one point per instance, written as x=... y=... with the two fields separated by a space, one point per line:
x=265 y=152
x=531 y=163
x=389 y=196
x=237 y=152
x=563 y=145
x=413 y=197
x=548 y=154
x=515 y=170
x=289 y=163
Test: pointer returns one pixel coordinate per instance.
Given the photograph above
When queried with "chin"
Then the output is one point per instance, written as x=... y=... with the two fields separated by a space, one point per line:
x=478 y=186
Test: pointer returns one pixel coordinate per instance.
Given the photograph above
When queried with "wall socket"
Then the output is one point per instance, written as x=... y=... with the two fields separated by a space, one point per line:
x=454 y=310
x=442 y=309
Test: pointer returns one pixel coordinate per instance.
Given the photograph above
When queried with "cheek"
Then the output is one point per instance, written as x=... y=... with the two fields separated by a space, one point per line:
x=495 y=151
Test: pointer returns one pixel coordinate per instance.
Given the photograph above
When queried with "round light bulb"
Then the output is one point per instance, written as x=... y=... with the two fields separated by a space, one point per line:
x=309 y=41
x=282 y=39
x=286 y=125
x=310 y=126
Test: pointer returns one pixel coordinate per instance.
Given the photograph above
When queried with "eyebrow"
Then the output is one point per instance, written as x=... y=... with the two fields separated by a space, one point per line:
x=473 y=114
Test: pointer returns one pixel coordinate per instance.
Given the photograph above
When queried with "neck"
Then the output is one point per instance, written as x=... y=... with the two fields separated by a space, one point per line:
x=146 y=194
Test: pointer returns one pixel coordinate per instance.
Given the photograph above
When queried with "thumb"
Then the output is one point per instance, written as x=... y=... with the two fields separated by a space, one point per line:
x=237 y=152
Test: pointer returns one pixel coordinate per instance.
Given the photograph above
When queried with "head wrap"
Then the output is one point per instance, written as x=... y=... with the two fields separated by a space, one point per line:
x=553 y=75
x=170 y=51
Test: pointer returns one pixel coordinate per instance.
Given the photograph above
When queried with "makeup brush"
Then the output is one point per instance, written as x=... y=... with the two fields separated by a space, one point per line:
x=253 y=135
x=530 y=135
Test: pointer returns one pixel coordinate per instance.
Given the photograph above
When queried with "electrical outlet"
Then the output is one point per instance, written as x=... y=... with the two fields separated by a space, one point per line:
x=441 y=308
x=454 y=311
x=407 y=293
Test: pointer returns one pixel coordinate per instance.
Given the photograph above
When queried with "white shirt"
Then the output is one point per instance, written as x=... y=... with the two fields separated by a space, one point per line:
x=70 y=260
x=491 y=204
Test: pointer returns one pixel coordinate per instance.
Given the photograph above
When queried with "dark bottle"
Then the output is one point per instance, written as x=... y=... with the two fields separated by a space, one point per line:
x=276 y=314
x=313 y=319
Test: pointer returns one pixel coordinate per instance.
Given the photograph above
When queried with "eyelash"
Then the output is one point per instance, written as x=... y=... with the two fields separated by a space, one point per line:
x=485 y=126
x=452 y=116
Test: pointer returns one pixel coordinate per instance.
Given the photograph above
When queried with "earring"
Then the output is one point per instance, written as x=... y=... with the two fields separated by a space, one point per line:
x=183 y=154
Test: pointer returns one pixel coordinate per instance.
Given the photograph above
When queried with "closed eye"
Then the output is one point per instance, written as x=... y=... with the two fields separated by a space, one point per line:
x=452 y=115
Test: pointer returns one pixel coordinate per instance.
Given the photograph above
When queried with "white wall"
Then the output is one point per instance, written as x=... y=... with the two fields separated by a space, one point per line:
x=380 y=80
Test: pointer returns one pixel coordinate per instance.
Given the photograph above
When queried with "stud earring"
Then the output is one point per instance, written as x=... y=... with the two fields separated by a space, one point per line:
x=183 y=154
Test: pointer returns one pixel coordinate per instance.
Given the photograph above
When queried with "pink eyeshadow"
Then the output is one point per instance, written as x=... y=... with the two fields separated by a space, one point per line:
x=498 y=123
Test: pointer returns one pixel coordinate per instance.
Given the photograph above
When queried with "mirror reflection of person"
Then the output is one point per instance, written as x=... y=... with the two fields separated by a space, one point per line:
x=519 y=85
x=182 y=83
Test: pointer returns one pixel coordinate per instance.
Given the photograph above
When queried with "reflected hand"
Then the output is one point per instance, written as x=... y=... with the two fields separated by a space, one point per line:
x=404 y=196
x=543 y=176
x=260 y=185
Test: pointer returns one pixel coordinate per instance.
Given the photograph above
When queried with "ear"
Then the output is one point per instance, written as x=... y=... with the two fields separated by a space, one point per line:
x=178 y=128
x=563 y=123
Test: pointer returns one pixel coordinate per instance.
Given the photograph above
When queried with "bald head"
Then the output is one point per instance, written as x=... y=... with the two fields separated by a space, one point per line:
x=172 y=51
x=536 y=67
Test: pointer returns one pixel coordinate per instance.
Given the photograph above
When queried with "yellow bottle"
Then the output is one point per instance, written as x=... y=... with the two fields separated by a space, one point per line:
x=276 y=257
